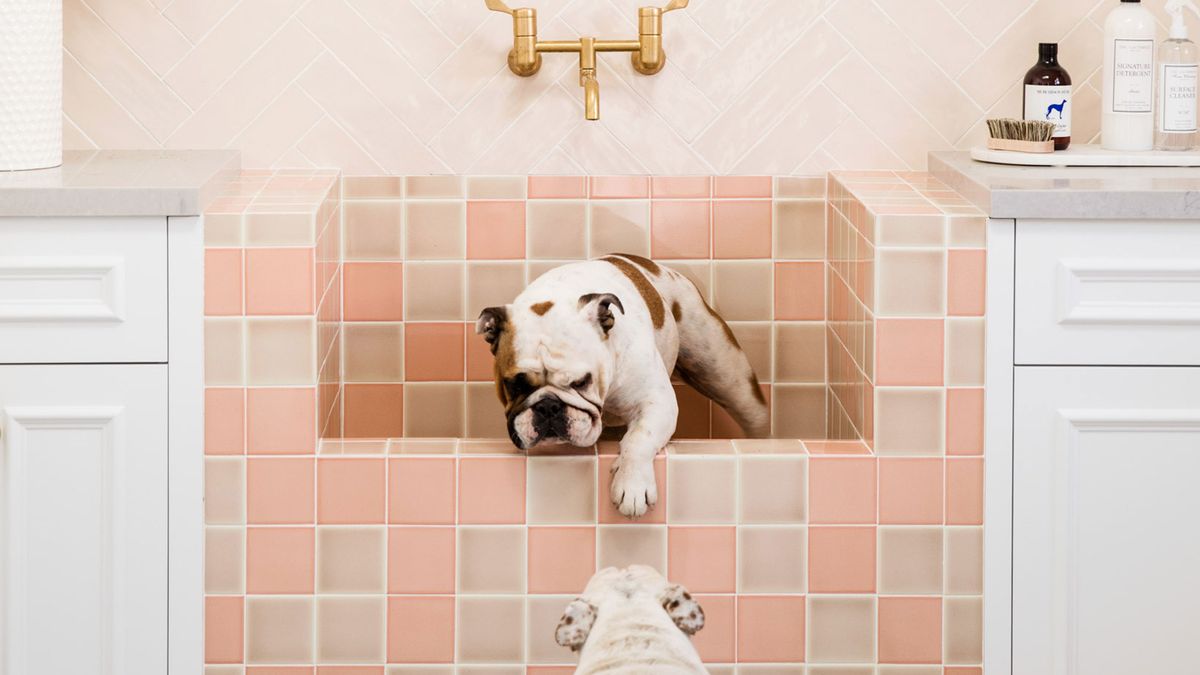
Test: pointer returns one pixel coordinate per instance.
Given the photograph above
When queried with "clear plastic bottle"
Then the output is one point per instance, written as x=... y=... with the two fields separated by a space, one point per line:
x=1175 y=90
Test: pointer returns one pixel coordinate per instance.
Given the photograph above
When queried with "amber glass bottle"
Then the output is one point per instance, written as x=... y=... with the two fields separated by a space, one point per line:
x=1048 y=94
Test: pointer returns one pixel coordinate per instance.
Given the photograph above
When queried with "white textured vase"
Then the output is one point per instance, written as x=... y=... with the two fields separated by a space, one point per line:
x=30 y=84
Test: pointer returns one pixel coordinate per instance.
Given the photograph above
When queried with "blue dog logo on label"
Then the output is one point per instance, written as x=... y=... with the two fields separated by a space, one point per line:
x=1057 y=106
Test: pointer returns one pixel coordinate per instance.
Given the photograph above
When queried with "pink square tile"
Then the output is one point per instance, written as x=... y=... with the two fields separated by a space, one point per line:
x=495 y=230
x=420 y=630
x=433 y=352
x=841 y=490
x=608 y=513
x=704 y=559
x=742 y=186
x=549 y=670
x=741 y=229
x=279 y=670
x=279 y=490
x=373 y=291
x=717 y=641
x=281 y=421
x=373 y=410
x=557 y=187
x=224 y=421
x=841 y=559
x=420 y=560
x=350 y=490
x=680 y=187
x=491 y=490
x=967 y=277
x=770 y=629
x=964 y=491
x=279 y=281
x=223 y=629
x=561 y=559
x=279 y=560
x=480 y=362
x=910 y=491
x=910 y=630
x=421 y=491
x=964 y=421
x=349 y=670
x=909 y=352
x=800 y=291
x=620 y=187
x=679 y=229
x=222 y=282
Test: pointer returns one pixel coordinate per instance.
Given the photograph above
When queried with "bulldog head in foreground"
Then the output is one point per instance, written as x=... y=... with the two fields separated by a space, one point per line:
x=593 y=344
x=632 y=621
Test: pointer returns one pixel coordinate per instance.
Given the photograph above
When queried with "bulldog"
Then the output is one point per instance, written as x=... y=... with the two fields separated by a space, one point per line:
x=632 y=621
x=593 y=344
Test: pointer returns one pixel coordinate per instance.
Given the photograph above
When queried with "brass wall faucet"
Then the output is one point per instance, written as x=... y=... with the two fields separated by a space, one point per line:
x=647 y=53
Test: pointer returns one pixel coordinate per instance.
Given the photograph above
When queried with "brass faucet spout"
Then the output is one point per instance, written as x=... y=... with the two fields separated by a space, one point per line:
x=587 y=78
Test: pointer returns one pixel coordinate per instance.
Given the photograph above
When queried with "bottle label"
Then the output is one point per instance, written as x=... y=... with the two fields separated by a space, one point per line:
x=1177 y=109
x=1052 y=104
x=1133 y=76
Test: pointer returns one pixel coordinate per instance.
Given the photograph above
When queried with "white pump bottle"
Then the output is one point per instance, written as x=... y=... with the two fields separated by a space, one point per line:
x=1175 y=95
x=1127 y=121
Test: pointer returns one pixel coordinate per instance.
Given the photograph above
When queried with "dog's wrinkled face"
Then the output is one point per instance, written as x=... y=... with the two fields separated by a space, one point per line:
x=612 y=586
x=552 y=368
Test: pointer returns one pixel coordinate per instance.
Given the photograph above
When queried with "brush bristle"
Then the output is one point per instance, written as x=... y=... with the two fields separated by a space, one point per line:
x=1021 y=130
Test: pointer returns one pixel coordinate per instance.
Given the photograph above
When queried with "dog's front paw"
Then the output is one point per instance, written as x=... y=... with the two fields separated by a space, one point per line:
x=634 y=490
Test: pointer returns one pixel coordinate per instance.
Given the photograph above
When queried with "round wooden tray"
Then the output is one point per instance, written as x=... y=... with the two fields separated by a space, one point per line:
x=1088 y=155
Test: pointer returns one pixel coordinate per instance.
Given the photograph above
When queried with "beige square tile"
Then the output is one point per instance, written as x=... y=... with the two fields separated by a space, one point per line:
x=800 y=186
x=491 y=630
x=223 y=351
x=962 y=630
x=222 y=229
x=619 y=227
x=544 y=613
x=536 y=268
x=743 y=290
x=840 y=670
x=800 y=229
x=910 y=283
x=773 y=489
x=485 y=414
x=841 y=630
x=280 y=229
x=964 y=352
x=491 y=560
x=373 y=352
x=755 y=339
x=351 y=630
x=433 y=291
x=910 y=670
x=420 y=670
x=224 y=670
x=281 y=351
x=561 y=490
x=224 y=560
x=625 y=545
x=798 y=411
x=434 y=410
x=910 y=230
x=496 y=187
x=800 y=353
x=372 y=187
x=910 y=421
x=750 y=669
x=556 y=230
x=224 y=490
x=772 y=559
x=491 y=670
x=910 y=560
x=968 y=231
x=492 y=284
x=279 y=630
x=373 y=230
x=964 y=560
x=701 y=489
x=435 y=230
x=433 y=187
x=351 y=559
x=699 y=272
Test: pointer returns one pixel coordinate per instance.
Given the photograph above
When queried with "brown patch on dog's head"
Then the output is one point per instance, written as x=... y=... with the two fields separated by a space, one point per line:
x=677 y=311
x=542 y=307
x=645 y=263
x=650 y=295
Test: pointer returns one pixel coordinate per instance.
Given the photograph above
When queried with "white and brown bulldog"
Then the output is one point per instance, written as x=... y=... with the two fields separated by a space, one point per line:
x=593 y=344
x=632 y=621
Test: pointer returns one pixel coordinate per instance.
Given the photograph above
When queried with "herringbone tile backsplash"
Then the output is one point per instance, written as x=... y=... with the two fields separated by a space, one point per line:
x=420 y=86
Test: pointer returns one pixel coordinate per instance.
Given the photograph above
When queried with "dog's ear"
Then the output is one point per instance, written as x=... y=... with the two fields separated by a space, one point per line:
x=491 y=323
x=575 y=624
x=598 y=307
x=682 y=608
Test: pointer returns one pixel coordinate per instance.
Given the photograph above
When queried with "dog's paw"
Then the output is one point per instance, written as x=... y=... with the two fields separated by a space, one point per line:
x=634 y=490
x=575 y=624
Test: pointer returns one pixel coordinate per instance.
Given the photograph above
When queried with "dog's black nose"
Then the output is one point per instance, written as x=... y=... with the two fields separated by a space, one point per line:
x=549 y=419
x=548 y=407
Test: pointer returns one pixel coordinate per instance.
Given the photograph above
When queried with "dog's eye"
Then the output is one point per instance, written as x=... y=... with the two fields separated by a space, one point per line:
x=583 y=382
x=519 y=387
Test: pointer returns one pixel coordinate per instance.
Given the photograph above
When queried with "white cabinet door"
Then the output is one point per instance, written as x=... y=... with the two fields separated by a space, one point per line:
x=83 y=525
x=1106 y=548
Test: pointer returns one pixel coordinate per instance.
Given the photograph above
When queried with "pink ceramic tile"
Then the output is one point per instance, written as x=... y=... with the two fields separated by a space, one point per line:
x=373 y=410
x=281 y=421
x=557 y=187
x=350 y=490
x=800 y=291
x=608 y=514
x=717 y=641
x=964 y=421
x=480 y=362
x=279 y=490
x=620 y=187
x=561 y=559
x=841 y=490
x=679 y=229
x=491 y=490
x=222 y=282
x=770 y=629
x=349 y=670
x=421 y=490
x=910 y=630
x=280 y=670
x=966 y=276
x=964 y=491
x=836 y=448
x=909 y=352
x=680 y=187
x=420 y=560
x=279 y=281
x=741 y=229
x=223 y=629
x=420 y=630
x=549 y=670
x=910 y=491
x=841 y=559
x=279 y=560
x=224 y=421
x=742 y=186
x=495 y=230
x=433 y=351
x=373 y=291
x=704 y=559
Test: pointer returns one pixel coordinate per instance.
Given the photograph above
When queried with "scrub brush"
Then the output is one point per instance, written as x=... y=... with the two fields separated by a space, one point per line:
x=1021 y=135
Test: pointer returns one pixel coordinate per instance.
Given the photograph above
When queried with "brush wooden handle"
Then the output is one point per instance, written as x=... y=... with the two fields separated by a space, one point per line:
x=1020 y=146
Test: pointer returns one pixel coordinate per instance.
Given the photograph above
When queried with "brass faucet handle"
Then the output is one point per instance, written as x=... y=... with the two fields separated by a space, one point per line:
x=499 y=6
x=670 y=6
